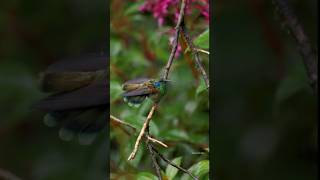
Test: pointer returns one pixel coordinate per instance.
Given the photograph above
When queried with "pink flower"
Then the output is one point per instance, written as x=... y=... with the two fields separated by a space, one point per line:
x=204 y=8
x=161 y=9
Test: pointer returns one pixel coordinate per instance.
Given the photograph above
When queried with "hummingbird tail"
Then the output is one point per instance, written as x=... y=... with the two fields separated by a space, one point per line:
x=134 y=101
x=85 y=124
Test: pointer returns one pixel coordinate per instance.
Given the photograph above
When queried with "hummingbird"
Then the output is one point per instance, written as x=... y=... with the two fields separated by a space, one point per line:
x=78 y=100
x=137 y=90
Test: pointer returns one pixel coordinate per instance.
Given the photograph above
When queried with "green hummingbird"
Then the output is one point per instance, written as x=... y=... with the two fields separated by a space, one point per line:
x=137 y=90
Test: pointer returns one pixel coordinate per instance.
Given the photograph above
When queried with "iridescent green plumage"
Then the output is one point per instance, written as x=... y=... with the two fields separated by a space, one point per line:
x=136 y=91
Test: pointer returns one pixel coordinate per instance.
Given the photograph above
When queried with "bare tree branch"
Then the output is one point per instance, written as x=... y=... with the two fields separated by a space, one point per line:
x=195 y=53
x=309 y=55
x=175 y=40
x=153 y=157
x=173 y=164
x=144 y=127
x=153 y=150
x=118 y=121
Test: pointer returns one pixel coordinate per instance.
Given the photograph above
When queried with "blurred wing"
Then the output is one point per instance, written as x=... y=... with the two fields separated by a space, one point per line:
x=133 y=84
x=77 y=119
x=81 y=63
x=83 y=123
x=139 y=92
x=91 y=95
x=131 y=87
x=67 y=81
x=72 y=73
x=134 y=100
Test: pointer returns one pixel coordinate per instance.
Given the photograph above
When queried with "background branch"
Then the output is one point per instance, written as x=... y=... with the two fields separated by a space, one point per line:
x=147 y=136
x=153 y=151
x=195 y=53
x=173 y=164
x=309 y=55
x=175 y=40
x=153 y=157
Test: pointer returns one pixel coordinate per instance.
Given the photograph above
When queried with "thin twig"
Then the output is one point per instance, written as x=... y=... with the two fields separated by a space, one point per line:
x=195 y=54
x=202 y=50
x=144 y=127
x=173 y=164
x=121 y=122
x=309 y=55
x=175 y=40
x=156 y=141
x=153 y=157
x=147 y=141
x=117 y=120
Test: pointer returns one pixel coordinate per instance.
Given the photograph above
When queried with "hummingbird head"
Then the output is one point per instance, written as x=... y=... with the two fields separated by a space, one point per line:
x=157 y=84
x=160 y=83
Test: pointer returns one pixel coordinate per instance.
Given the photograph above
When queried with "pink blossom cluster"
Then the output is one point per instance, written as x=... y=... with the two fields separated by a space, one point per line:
x=161 y=9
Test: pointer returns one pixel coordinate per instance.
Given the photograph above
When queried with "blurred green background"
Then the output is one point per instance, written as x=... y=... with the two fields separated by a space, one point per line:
x=33 y=35
x=139 y=47
x=265 y=115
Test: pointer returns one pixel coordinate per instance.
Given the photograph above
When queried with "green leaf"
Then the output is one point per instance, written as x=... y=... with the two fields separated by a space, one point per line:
x=201 y=88
x=135 y=120
x=146 y=176
x=175 y=135
x=294 y=82
x=115 y=48
x=198 y=138
x=202 y=40
x=154 y=130
x=171 y=171
x=115 y=90
x=289 y=86
x=200 y=170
